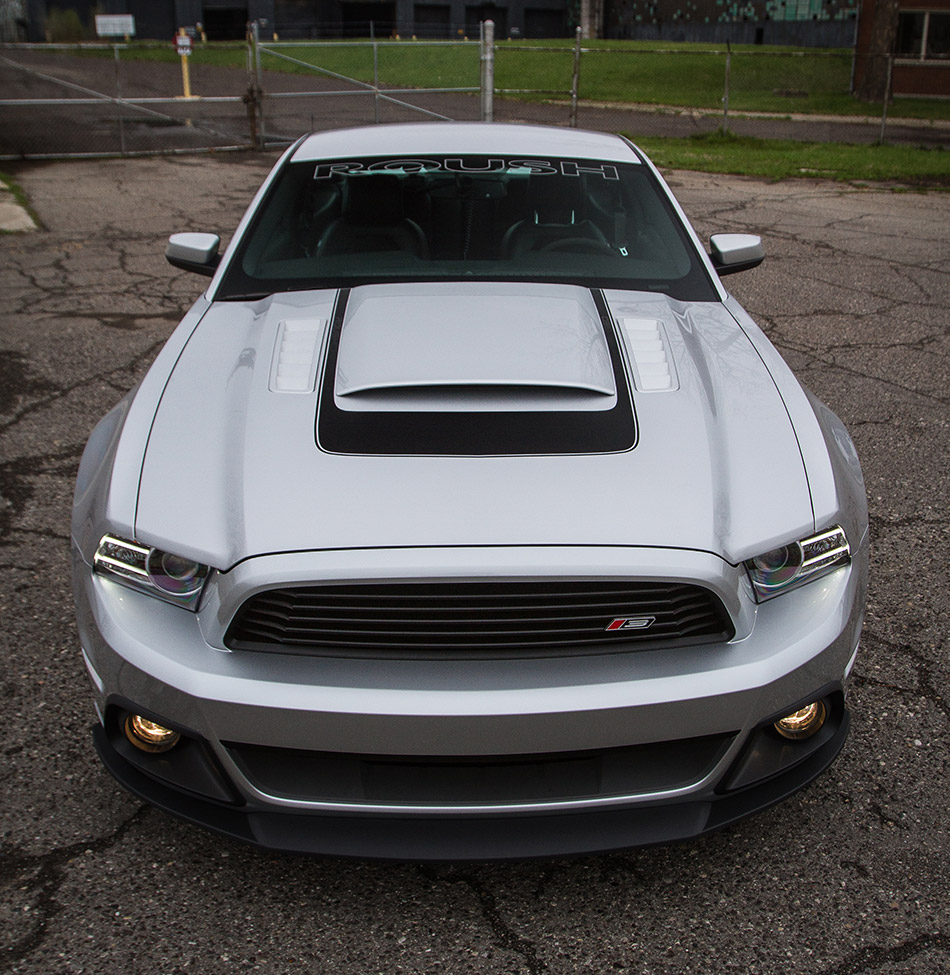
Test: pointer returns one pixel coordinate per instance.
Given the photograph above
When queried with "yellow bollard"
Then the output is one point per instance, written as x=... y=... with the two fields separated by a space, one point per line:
x=183 y=46
x=185 y=77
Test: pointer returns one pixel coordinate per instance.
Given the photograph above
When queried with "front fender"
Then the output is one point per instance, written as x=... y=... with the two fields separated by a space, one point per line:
x=849 y=481
x=107 y=487
x=95 y=476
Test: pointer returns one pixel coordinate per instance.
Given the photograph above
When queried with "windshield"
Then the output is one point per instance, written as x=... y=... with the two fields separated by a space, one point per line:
x=342 y=223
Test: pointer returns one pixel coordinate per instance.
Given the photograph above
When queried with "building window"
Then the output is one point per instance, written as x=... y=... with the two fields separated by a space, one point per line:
x=924 y=35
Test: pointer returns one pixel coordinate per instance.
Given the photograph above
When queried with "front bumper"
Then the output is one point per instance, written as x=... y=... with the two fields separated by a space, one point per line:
x=147 y=656
x=422 y=838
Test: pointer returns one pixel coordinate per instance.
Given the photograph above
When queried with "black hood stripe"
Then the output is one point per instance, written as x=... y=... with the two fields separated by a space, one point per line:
x=475 y=433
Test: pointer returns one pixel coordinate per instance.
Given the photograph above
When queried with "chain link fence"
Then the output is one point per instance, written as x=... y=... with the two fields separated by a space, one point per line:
x=74 y=100
x=651 y=90
x=327 y=84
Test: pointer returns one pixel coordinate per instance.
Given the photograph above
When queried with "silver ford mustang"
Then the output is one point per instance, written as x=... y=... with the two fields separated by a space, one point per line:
x=466 y=515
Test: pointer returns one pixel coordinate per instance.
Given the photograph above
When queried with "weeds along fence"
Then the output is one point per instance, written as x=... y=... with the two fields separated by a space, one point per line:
x=128 y=99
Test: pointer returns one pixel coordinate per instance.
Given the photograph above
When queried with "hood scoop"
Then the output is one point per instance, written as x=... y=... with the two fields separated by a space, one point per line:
x=482 y=348
x=473 y=368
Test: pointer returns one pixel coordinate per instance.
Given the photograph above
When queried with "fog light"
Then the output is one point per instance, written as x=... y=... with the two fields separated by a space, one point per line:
x=803 y=723
x=148 y=735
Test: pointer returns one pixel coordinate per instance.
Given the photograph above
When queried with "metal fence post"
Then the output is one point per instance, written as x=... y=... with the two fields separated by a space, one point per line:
x=259 y=86
x=725 y=95
x=250 y=98
x=575 y=80
x=887 y=95
x=372 y=35
x=118 y=95
x=488 y=71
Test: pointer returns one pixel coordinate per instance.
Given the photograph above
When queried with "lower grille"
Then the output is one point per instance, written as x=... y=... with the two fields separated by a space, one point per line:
x=456 y=780
x=509 y=618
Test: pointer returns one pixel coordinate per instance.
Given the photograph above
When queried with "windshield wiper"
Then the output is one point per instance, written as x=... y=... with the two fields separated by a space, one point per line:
x=250 y=296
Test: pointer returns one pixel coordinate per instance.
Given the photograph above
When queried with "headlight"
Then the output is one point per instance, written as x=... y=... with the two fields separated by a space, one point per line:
x=174 y=578
x=791 y=565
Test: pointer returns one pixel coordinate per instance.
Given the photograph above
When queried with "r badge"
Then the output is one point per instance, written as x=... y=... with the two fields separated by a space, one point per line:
x=633 y=623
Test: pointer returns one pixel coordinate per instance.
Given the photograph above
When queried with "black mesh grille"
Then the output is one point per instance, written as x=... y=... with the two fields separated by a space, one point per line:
x=500 y=617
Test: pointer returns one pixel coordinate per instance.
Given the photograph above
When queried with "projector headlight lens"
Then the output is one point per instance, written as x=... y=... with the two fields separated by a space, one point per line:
x=784 y=568
x=174 y=578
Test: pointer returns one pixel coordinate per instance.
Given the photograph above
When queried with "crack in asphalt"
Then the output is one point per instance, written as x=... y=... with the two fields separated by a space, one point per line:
x=928 y=684
x=505 y=938
x=48 y=876
x=815 y=361
x=59 y=393
x=40 y=533
x=885 y=818
x=620 y=865
x=858 y=868
x=51 y=289
x=874 y=956
x=546 y=875
x=16 y=491
x=17 y=377
x=881 y=524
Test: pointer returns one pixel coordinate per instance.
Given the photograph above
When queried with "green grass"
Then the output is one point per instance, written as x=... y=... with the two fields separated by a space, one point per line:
x=775 y=80
x=404 y=65
x=780 y=83
x=776 y=159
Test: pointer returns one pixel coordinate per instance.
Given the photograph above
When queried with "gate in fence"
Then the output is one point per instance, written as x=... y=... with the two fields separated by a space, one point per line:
x=95 y=100
x=74 y=100
x=118 y=99
x=99 y=100
x=328 y=84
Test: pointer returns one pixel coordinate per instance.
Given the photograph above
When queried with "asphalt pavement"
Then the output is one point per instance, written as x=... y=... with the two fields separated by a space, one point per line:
x=851 y=876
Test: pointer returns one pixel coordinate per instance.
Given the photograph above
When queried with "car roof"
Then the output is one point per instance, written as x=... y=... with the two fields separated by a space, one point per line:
x=476 y=138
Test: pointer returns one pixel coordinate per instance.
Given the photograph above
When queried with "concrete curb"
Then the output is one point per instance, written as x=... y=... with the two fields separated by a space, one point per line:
x=716 y=113
x=13 y=216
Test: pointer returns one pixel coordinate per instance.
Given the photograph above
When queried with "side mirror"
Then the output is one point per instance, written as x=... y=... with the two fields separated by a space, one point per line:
x=736 y=252
x=194 y=252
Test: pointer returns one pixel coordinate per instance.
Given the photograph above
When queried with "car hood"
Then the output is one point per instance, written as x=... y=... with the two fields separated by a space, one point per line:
x=233 y=468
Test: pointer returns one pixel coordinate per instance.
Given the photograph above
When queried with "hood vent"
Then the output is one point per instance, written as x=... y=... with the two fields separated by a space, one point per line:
x=648 y=348
x=295 y=359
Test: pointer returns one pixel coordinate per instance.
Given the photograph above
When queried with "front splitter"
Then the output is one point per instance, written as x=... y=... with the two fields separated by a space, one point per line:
x=440 y=838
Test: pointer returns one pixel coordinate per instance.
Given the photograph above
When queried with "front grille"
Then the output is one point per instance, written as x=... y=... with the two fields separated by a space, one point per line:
x=507 y=618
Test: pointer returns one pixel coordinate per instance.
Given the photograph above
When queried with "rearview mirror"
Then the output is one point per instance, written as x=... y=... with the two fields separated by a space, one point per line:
x=736 y=252
x=194 y=252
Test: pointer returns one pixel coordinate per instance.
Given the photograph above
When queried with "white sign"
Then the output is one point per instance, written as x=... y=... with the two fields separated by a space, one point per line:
x=115 y=25
x=183 y=43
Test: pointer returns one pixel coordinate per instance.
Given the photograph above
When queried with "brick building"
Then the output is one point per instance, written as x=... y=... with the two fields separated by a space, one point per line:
x=914 y=36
